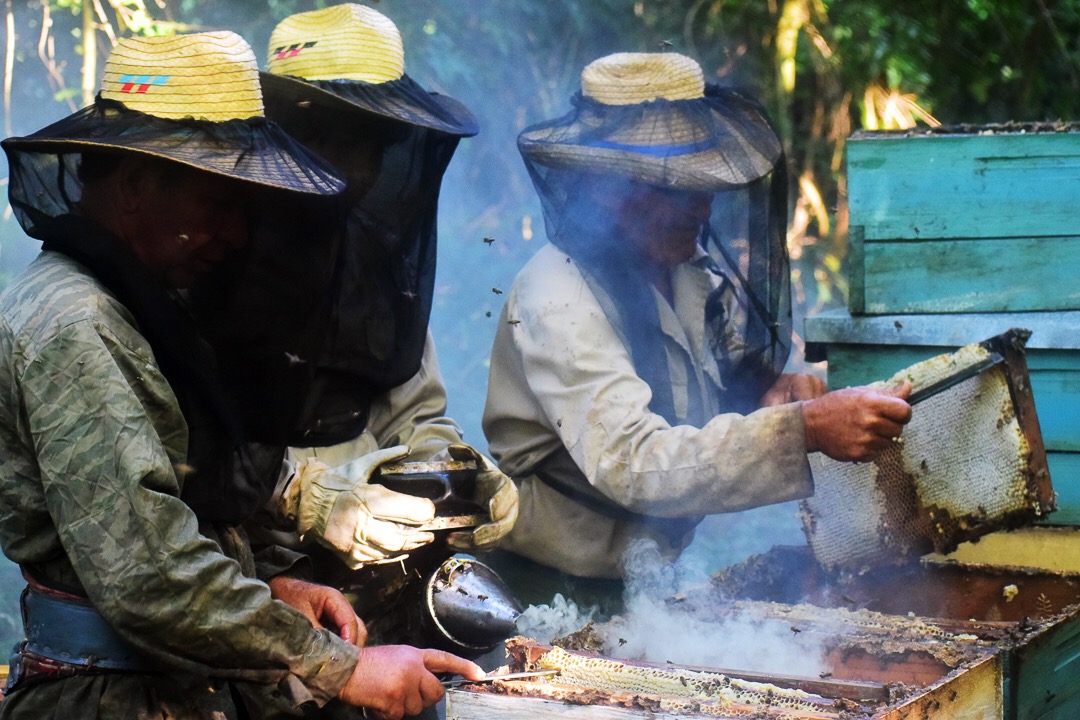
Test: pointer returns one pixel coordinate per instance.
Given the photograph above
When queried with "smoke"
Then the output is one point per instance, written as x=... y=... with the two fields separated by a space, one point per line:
x=671 y=616
x=544 y=623
x=668 y=619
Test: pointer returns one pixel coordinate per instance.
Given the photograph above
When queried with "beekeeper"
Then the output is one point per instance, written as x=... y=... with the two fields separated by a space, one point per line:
x=348 y=374
x=636 y=379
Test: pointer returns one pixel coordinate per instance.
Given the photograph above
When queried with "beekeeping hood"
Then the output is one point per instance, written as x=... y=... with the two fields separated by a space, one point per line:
x=189 y=99
x=340 y=316
x=650 y=118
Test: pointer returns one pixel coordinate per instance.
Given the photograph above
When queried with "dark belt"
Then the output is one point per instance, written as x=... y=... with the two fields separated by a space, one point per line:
x=72 y=632
x=560 y=473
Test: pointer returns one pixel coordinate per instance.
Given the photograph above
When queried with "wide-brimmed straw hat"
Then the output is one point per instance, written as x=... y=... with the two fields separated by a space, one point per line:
x=194 y=99
x=651 y=117
x=351 y=57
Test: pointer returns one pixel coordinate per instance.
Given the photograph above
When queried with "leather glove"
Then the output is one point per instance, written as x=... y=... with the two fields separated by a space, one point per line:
x=359 y=522
x=495 y=491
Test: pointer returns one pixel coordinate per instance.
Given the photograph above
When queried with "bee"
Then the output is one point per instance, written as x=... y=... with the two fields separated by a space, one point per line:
x=489 y=240
x=496 y=290
x=487 y=314
x=795 y=630
x=825 y=675
x=294 y=359
x=622 y=641
x=513 y=322
x=665 y=45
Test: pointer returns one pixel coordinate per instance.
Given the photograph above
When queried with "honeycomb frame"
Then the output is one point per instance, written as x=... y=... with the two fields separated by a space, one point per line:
x=970 y=462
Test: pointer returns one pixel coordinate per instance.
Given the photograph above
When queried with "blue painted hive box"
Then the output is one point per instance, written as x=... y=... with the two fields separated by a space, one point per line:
x=980 y=219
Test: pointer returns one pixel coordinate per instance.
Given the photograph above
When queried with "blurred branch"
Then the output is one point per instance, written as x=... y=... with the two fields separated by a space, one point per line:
x=885 y=109
x=796 y=14
x=47 y=53
x=9 y=64
x=103 y=22
x=89 y=63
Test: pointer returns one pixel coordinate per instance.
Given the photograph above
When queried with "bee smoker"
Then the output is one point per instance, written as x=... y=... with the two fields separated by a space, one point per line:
x=433 y=597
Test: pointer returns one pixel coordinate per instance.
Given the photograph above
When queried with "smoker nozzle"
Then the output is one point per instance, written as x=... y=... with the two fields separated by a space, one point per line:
x=470 y=604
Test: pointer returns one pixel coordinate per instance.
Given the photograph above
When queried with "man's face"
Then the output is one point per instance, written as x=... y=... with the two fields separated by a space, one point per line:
x=662 y=224
x=187 y=221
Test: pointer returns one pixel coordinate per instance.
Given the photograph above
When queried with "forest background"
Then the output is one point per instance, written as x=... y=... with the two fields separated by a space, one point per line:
x=823 y=68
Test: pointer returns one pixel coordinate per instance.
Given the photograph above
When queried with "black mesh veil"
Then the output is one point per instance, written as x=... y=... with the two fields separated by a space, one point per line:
x=721 y=144
x=747 y=240
x=331 y=305
x=227 y=476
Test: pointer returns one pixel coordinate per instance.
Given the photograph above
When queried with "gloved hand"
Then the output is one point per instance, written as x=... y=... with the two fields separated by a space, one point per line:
x=361 y=523
x=495 y=491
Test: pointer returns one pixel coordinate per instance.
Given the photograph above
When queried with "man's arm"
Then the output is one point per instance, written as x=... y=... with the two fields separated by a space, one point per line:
x=95 y=410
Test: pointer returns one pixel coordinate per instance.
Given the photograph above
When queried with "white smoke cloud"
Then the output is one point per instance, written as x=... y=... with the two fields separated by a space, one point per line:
x=666 y=621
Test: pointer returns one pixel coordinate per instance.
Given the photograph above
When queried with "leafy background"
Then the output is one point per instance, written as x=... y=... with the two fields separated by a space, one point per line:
x=824 y=68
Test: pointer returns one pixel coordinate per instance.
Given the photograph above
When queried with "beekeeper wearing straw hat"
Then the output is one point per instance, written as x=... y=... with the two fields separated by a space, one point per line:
x=358 y=354
x=636 y=379
x=127 y=476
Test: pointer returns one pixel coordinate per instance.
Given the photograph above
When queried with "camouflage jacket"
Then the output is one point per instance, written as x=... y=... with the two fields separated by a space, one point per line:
x=90 y=436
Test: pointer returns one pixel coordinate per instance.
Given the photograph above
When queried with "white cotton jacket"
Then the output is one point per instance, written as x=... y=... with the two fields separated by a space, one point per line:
x=561 y=378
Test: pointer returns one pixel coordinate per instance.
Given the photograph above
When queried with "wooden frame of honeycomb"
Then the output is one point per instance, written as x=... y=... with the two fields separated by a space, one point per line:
x=971 y=461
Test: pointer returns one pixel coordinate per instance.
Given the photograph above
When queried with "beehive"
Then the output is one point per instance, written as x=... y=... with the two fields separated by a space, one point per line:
x=964 y=219
x=591 y=686
x=956 y=638
x=970 y=461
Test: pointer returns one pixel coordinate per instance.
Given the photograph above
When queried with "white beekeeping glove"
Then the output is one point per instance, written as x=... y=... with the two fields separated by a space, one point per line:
x=360 y=522
x=496 y=493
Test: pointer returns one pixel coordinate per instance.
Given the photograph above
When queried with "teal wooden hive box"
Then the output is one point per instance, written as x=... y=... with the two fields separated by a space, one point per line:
x=957 y=236
x=978 y=221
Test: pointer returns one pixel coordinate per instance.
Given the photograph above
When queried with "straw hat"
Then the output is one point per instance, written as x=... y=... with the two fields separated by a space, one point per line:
x=652 y=118
x=196 y=100
x=351 y=56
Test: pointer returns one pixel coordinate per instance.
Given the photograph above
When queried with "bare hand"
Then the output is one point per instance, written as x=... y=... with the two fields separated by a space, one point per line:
x=856 y=424
x=323 y=606
x=792 y=387
x=398 y=680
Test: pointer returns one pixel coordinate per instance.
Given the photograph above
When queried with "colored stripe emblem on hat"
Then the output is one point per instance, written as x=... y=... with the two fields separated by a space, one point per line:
x=141 y=83
x=287 y=51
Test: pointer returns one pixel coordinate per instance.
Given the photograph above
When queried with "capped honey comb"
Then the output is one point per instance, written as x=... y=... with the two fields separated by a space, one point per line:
x=970 y=461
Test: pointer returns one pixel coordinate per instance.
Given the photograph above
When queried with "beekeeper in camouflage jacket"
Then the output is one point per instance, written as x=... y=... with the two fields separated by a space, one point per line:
x=636 y=378
x=124 y=476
